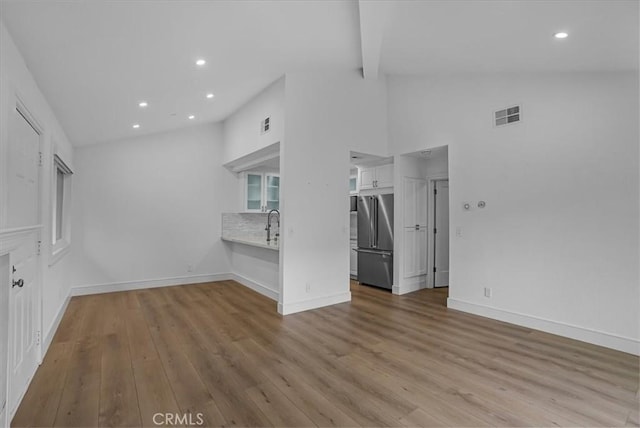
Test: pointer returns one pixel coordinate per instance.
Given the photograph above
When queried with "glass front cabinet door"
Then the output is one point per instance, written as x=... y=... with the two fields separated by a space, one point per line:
x=262 y=192
x=272 y=188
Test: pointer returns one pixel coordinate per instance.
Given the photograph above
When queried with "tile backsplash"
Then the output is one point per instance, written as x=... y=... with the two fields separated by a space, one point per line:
x=236 y=225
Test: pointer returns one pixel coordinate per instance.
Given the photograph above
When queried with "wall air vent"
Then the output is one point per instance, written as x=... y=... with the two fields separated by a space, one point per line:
x=265 y=126
x=507 y=116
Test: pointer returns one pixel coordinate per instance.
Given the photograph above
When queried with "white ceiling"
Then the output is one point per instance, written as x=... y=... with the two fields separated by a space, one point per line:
x=497 y=35
x=95 y=60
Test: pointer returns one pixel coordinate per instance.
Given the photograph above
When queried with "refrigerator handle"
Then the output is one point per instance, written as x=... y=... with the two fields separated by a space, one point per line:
x=375 y=221
x=371 y=208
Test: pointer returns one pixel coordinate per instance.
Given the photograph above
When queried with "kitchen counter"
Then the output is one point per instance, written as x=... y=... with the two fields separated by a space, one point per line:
x=254 y=242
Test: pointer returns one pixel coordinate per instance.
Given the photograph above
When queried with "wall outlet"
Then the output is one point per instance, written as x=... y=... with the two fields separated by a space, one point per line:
x=189 y=268
x=308 y=287
x=487 y=292
x=459 y=232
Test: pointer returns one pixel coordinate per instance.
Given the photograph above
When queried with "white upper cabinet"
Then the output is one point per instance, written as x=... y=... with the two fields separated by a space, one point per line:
x=367 y=178
x=384 y=175
x=272 y=191
x=261 y=192
x=376 y=177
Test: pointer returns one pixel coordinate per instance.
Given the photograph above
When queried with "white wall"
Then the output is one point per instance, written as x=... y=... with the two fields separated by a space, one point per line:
x=147 y=208
x=17 y=82
x=242 y=129
x=327 y=115
x=558 y=240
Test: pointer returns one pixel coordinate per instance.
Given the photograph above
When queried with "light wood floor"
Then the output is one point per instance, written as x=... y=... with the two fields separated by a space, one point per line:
x=382 y=360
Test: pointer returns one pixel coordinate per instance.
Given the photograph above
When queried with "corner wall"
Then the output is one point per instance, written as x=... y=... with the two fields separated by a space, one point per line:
x=147 y=210
x=558 y=240
x=327 y=115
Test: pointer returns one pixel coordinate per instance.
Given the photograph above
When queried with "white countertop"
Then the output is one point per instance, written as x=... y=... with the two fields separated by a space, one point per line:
x=254 y=242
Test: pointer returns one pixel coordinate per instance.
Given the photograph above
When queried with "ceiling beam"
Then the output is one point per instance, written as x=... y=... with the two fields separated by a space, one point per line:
x=373 y=20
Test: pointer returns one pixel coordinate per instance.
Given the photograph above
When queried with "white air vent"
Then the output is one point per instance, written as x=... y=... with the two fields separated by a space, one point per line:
x=265 y=126
x=507 y=116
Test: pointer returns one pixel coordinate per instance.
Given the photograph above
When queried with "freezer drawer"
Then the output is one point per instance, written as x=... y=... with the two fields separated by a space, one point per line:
x=375 y=268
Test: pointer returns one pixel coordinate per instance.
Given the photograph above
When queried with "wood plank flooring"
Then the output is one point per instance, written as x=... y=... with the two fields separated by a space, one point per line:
x=222 y=351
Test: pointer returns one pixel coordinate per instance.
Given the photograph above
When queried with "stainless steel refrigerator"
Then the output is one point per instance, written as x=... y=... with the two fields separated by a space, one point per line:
x=375 y=240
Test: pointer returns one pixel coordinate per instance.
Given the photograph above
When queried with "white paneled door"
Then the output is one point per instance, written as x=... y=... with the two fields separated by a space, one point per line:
x=441 y=231
x=23 y=212
x=415 y=227
x=4 y=334
x=24 y=157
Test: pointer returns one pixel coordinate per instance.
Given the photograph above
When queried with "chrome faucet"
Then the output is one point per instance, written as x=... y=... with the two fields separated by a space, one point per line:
x=268 y=228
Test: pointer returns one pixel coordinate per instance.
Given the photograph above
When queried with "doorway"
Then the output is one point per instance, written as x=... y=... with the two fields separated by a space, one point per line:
x=440 y=233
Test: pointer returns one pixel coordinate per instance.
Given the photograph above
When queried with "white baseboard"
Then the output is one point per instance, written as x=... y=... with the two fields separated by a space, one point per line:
x=316 y=302
x=255 y=286
x=608 y=340
x=3 y=414
x=409 y=285
x=53 y=328
x=148 y=283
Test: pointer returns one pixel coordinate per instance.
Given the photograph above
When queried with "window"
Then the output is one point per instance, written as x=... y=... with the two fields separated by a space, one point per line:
x=61 y=236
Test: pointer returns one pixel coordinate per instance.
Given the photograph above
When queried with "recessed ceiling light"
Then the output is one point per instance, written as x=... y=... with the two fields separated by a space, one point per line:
x=201 y=62
x=136 y=126
x=561 y=35
x=143 y=104
x=210 y=95
x=192 y=117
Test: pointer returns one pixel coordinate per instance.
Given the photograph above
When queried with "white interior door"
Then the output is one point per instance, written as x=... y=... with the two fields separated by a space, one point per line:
x=441 y=234
x=23 y=356
x=4 y=330
x=22 y=210
x=23 y=190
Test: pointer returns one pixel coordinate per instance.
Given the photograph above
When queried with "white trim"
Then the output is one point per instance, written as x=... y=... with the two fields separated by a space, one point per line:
x=254 y=159
x=255 y=286
x=147 y=283
x=59 y=253
x=11 y=233
x=53 y=328
x=314 y=303
x=409 y=285
x=609 y=340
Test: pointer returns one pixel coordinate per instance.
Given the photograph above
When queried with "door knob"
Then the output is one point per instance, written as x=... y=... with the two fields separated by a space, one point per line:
x=19 y=283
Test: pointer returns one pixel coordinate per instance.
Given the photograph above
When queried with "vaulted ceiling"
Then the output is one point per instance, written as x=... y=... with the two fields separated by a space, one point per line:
x=96 y=60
